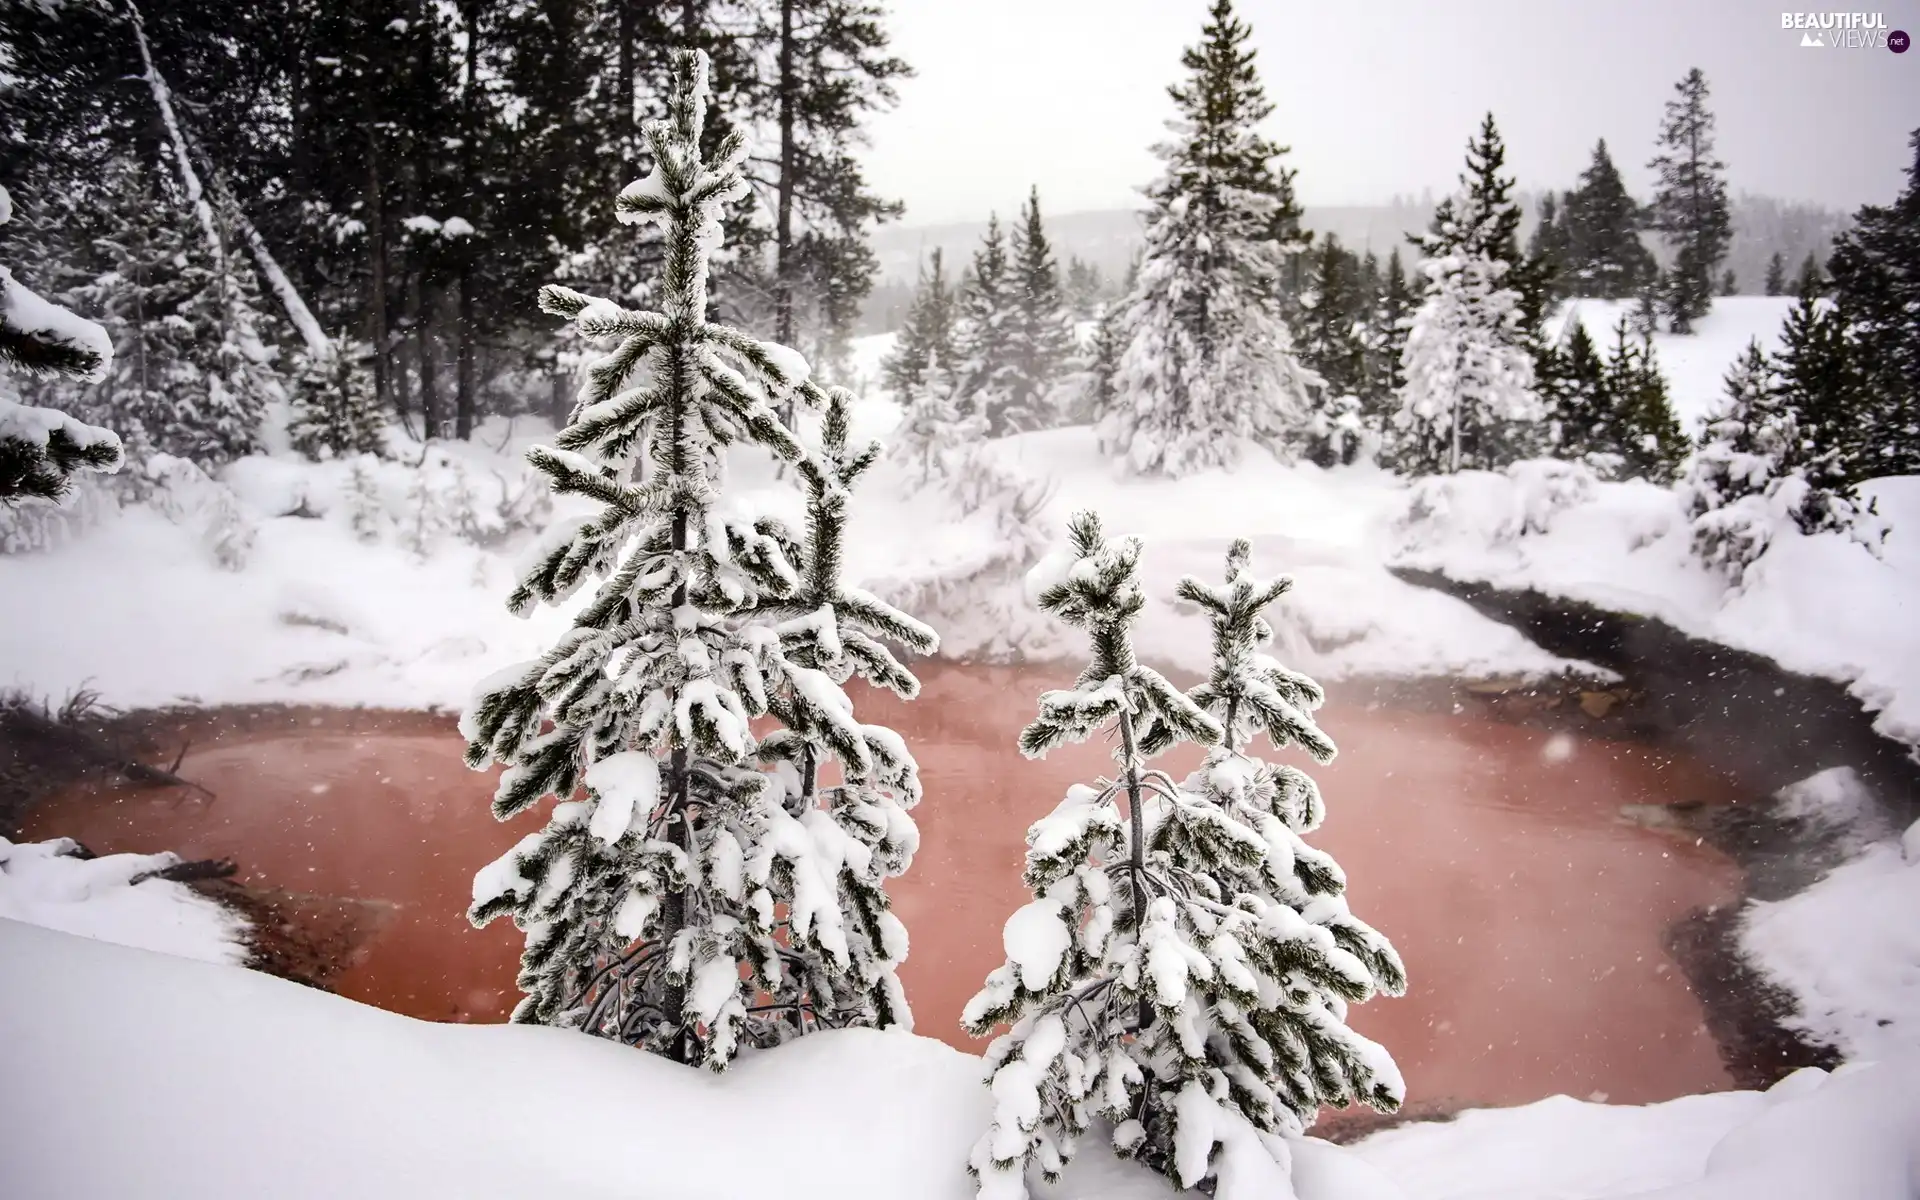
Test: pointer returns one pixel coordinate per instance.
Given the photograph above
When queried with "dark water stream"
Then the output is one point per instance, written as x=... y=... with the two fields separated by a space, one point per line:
x=1530 y=914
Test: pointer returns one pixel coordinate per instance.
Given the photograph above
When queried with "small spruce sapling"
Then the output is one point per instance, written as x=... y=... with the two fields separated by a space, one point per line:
x=1212 y=1011
x=1278 y=1042
x=682 y=891
x=335 y=410
x=861 y=824
x=1077 y=987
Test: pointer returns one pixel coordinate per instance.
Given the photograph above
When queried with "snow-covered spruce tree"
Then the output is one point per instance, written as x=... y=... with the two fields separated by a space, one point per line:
x=1164 y=978
x=927 y=335
x=983 y=335
x=1388 y=322
x=335 y=410
x=1759 y=470
x=1040 y=330
x=1644 y=432
x=1690 y=202
x=1209 y=361
x=1085 y=289
x=1580 y=408
x=1605 y=257
x=1776 y=284
x=661 y=906
x=1333 y=344
x=191 y=377
x=42 y=449
x=1746 y=441
x=1822 y=385
x=1103 y=365
x=1236 y=826
x=1474 y=348
x=1468 y=372
x=860 y=832
x=1876 y=288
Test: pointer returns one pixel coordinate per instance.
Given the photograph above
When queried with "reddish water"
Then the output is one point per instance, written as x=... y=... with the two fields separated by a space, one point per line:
x=1530 y=916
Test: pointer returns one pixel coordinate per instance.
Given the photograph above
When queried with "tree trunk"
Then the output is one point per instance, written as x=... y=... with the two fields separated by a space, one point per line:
x=1137 y=852
x=623 y=121
x=783 y=229
x=464 y=366
x=432 y=417
x=680 y=834
x=376 y=263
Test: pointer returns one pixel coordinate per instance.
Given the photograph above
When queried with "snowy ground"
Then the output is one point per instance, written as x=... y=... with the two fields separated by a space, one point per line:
x=191 y=1069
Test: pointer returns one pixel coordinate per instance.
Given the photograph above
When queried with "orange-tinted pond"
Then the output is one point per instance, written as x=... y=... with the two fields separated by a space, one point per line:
x=1529 y=913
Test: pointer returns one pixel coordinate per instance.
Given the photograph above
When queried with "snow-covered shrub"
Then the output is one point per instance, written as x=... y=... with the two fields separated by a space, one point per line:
x=979 y=599
x=1184 y=968
x=1495 y=507
x=189 y=497
x=366 y=514
x=443 y=495
x=30 y=528
x=1337 y=434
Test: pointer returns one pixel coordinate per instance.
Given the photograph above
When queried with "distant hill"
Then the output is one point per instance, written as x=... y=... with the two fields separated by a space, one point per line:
x=1107 y=238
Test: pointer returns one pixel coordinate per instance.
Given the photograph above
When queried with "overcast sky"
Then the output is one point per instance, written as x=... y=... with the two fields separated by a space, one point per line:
x=1378 y=98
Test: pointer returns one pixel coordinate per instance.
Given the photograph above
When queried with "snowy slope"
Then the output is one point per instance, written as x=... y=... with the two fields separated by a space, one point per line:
x=180 y=1079
x=1695 y=364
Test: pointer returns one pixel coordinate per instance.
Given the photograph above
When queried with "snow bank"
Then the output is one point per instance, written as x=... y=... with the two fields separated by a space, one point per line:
x=115 y=899
x=1820 y=605
x=1854 y=1134
x=250 y=1086
x=1848 y=950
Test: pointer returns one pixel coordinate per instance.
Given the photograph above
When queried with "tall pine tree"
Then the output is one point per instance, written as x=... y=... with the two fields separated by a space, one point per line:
x=1690 y=202
x=984 y=335
x=1040 y=330
x=1209 y=361
x=1605 y=257
x=1333 y=344
x=1747 y=446
x=1776 y=284
x=1469 y=398
x=1876 y=289
x=928 y=333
